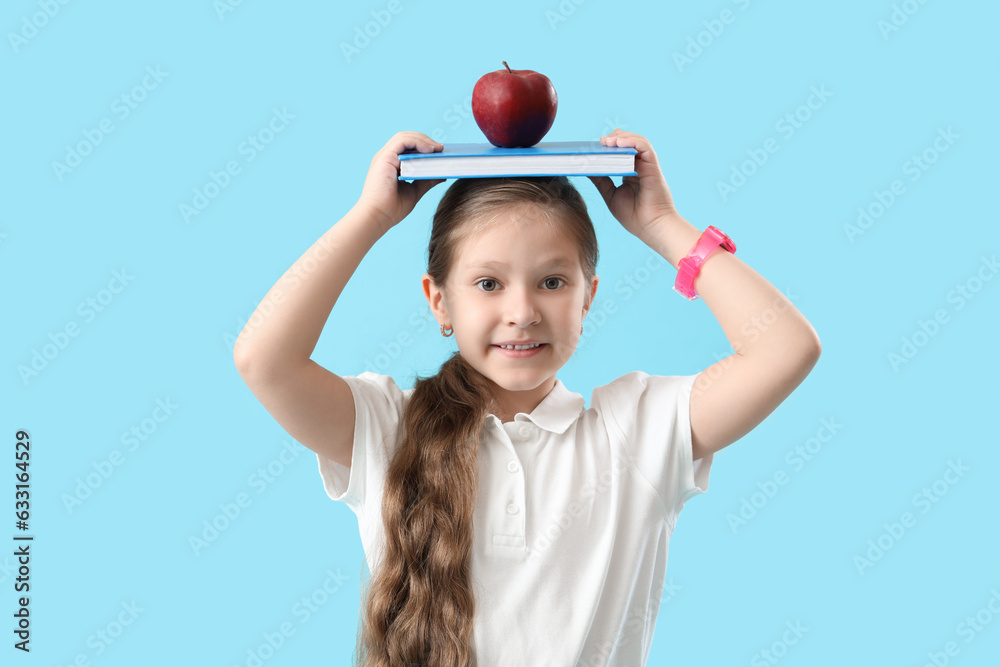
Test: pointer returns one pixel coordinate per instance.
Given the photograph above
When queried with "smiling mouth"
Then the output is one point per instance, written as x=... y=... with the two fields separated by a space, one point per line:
x=520 y=347
x=522 y=353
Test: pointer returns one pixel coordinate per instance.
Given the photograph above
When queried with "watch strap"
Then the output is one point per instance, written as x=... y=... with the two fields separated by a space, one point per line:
x=691 y=263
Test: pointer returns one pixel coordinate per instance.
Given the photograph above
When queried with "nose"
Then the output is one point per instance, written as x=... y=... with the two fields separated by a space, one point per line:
x=520 y=309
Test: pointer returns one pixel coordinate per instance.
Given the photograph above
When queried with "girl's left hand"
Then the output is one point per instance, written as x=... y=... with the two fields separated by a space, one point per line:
x=642 y=201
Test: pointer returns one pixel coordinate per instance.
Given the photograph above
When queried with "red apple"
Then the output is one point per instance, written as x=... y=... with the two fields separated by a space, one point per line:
x=514 y=108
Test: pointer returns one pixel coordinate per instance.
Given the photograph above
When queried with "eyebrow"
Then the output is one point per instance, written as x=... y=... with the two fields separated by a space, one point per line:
x=498 y=266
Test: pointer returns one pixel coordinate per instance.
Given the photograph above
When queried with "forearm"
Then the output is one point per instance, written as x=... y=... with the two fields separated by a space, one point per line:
x=756 y=317
x=286 y=325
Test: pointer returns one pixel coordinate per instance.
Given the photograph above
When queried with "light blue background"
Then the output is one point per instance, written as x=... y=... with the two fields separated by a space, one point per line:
x=168 y=333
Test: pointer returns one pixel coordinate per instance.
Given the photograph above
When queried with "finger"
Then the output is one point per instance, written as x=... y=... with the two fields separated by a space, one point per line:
x=630 y=139
x=408 y=135
x=619 y=134
x=646 y=161
x=633 y=184
x=605 y=186
x=622 y=133
x=640 y=144
x=422 y=186
x=644 y=154
x=403 y=141
x=418 y=145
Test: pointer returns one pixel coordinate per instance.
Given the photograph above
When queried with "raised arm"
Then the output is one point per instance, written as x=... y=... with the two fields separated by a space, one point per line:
x=775 y=346
x=272 y=352
x=285 y=327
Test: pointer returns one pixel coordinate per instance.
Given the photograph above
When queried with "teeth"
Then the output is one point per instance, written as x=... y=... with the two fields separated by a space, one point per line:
x=520 y=347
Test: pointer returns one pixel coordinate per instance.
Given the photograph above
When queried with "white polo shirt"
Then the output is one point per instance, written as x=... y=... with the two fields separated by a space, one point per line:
x=573 y=518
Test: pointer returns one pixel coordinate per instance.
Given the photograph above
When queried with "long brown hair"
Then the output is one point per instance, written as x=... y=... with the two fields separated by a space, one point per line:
x=420 y=602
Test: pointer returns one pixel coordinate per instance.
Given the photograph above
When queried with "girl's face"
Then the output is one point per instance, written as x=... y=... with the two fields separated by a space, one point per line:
x=534 y=290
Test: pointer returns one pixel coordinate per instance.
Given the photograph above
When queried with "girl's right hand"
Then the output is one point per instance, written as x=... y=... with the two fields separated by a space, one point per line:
x=386 y=198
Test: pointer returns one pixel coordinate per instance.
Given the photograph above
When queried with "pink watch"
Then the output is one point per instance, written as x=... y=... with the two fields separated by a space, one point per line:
x=689 y=266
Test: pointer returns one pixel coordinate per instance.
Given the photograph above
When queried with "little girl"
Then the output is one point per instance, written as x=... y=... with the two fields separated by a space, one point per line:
x=503 y=523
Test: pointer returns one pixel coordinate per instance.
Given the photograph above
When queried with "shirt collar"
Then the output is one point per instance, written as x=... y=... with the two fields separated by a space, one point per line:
x=555 y=413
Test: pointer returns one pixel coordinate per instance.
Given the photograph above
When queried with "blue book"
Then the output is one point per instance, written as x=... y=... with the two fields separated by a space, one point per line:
x=548 y=158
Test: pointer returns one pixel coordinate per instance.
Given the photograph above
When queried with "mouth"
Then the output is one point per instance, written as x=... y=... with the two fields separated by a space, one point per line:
x=519 y=351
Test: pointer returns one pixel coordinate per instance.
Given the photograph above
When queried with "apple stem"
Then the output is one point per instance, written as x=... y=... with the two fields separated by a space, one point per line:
x=506 y=65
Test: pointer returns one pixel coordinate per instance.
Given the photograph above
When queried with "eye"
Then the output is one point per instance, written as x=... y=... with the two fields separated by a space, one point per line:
x=486 y=280
x=559 y=283
x=560 y=280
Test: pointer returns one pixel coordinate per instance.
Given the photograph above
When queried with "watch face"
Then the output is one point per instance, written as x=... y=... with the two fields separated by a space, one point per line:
x=724 y=240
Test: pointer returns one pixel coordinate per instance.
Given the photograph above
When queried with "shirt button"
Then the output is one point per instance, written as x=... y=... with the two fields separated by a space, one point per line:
x=512 y=466
x=512 y=509
x=525 y=431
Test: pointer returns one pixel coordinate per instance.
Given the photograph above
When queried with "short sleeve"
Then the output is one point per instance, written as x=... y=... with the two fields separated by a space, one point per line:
x=378 y=407
x=653 y=414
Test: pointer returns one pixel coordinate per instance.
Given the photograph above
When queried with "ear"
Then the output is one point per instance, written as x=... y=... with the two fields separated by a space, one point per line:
x=590 y=297
x=435 y=298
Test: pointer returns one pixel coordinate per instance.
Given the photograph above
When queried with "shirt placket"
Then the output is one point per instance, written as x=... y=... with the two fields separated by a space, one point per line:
x=509 y=506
